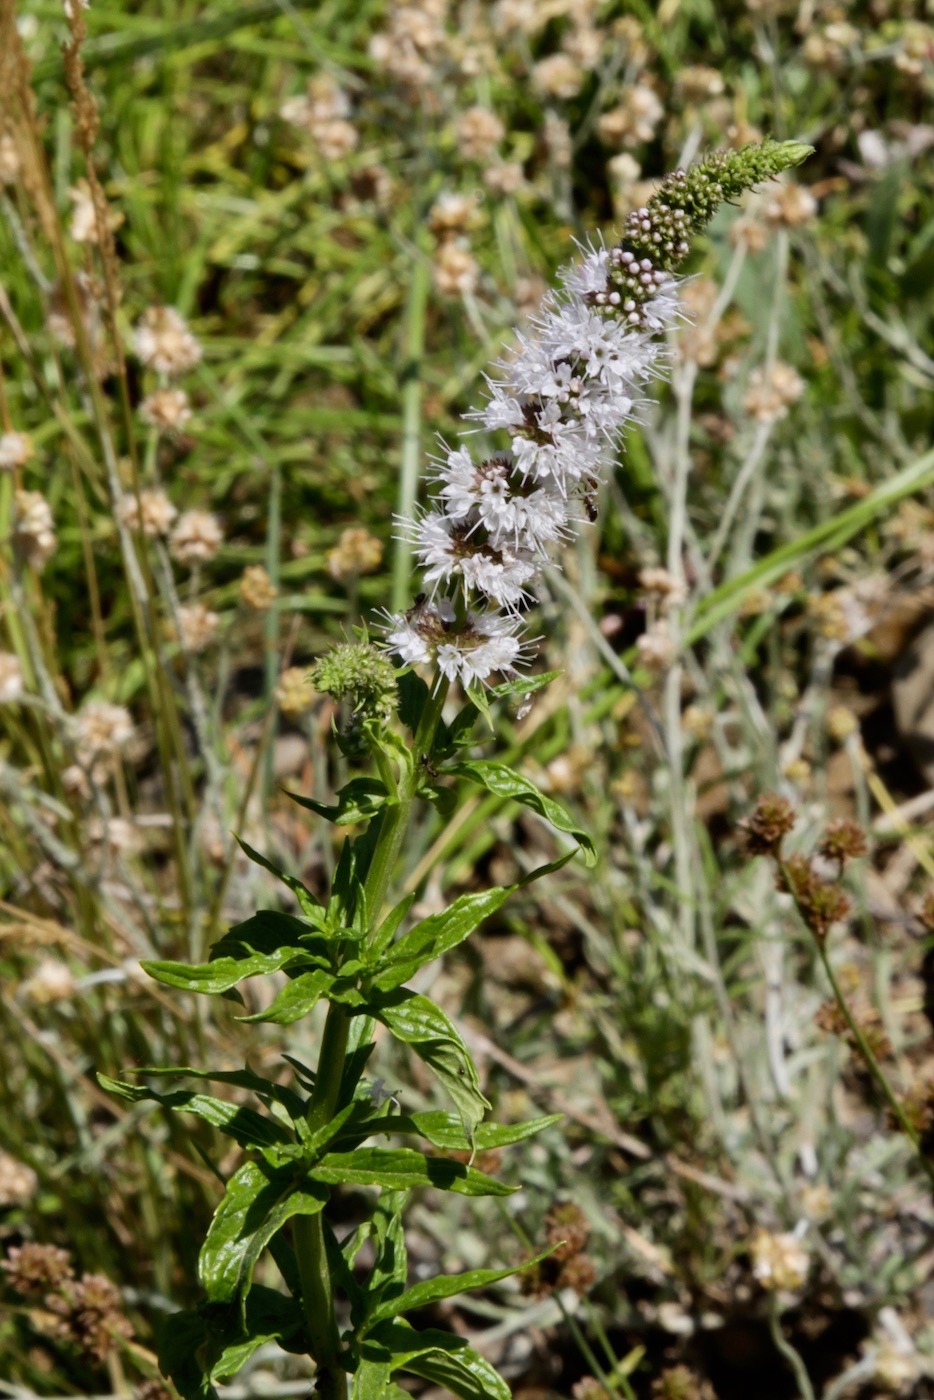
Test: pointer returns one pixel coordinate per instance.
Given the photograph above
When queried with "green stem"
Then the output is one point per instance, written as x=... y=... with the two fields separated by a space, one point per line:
x=310 y=1244
x=793 y=1357
x=872 y=1064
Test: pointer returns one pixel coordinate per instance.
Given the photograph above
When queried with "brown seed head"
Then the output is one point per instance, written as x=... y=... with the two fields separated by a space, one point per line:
x=37 y=1268
x=843 y=840
x=768 y=825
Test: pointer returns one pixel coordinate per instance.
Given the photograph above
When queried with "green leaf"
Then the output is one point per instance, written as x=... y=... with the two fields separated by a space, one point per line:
x=257 y=1202
x=391 y=1264
x=371 y=1382
x=268 y=930
x=266 y=1089
x=416 y=1021
x=502 y=781
x=446 y=1286
x=296 y=998
x=436 y=935
x=413 y=696
x=387 y=929
x=525 y=685
x=211 y=1342
x=244 y=1125
x=462 y=1371
x=270 y=1317
x=438 y=1356
x=268 y=942
x=445 y=1130
x=358 y=801
x=401 y=1168
x=309 y=906
x=221 y=974
x=188 y=1342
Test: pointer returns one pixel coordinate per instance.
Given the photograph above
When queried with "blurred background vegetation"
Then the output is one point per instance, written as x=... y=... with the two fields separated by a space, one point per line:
x=348 y=210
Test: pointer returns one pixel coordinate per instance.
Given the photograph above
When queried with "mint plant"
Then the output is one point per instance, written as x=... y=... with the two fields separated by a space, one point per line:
x=562 y=402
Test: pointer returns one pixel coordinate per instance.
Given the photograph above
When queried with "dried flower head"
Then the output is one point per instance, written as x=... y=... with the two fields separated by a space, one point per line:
x=90 y=1316
x=779 y=1261
x=681 y=1383
x=18 y=1182
x=16 y=450
x=819 y=903
x=505 y=177
x=634 y=121
x=771 y=392
x=196 y=538
x=257 y=590
x=654 y=579
x=567 y=1266
x=452 y=215
x=455 y=270
x=558 y=76
x=699 y=83
x=843 y=840
x=33 y=1268
x=101 y=730
x=589 y=1389
x=12 y=684
x=323 y=112
x=479 y=132
x=295 y=694
x=656 y=647
x=34 y=529
x=789 y=205
x=197 y=627
x=50 y=980
x=164 y=343
x=357 y=552
x=151 y=512
x=768 y=825
x=168 y=409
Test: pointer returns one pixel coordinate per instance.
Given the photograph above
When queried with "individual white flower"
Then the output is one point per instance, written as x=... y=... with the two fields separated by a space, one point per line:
x=529 y=519
x=486 y=643
x=448 y=549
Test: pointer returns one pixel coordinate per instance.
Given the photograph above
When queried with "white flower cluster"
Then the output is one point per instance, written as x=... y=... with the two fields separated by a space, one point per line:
x=562 y=400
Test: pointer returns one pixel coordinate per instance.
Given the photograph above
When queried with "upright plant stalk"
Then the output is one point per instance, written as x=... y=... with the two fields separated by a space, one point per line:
x=562 y=402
